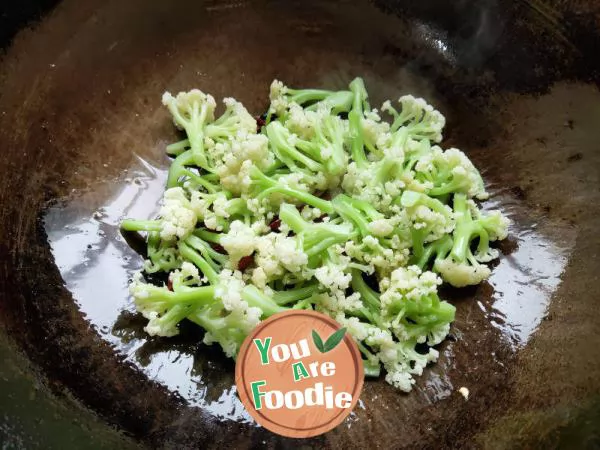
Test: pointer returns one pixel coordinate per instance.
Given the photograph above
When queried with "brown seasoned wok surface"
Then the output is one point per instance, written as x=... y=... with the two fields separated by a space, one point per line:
x=81 y=122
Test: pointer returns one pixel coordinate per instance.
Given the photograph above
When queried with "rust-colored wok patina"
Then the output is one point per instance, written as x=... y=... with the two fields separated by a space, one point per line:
x=82 y=134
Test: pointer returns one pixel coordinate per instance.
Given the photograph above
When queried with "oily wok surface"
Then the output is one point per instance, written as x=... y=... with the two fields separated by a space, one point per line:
x=83 y=132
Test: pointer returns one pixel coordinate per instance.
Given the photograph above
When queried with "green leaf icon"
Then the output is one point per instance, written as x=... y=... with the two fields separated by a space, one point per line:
x=318 y=341
x=331 y=342
x=334 y=340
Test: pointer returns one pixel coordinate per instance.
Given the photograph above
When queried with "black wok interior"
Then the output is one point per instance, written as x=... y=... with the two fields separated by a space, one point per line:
x=82 y=136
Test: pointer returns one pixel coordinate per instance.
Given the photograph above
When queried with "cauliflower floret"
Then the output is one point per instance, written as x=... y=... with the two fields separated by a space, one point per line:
x=239 y=241
x=438 y=334
x=166 y=258
x=419 y=117
x=302 y=122
x=154 y=328
x=356 y=179
x=259 y=278
x=381 y=227
x=359 y=183
x=261 y=209
x=400 y=373
x=212 y=223
x=186 y=105
x=211 y=208
x=238 y=116
x=229 y=346
x=277 y=253
x=178 y=219
x=436 y=224
x=200 y=204
x=310 y=214
x=138 y=287
x=187 y=275
x=333 y=277
x=151 y=302
x=400 y=359
x=338 y=302
x=249 y=317
x=224 y=324
x=451 y=171
x=277 y=94
x=372 y=252
x=461 y=274
x=289 y=253
x=376 y=132
x=383 y=342
x=238 y=158
x=429 y=216
x=410 y=283
x=400 y=379
x=411 y=183
x=394 y=188
x=357 y=329
x=496 y=224
x=294 y=181
x=220 y=206
x=237 y=181
x=487 y=256
x=229 y=290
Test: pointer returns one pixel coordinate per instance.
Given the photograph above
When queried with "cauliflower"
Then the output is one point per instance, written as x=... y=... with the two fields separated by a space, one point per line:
x=279 y=101
x=277 y=253
x=460 y=274
x=381 y=227
x=188 y=108
x=187 y=275
x=235 y=158
x=177 y=216
x=407 y=284
x=163 y=308
x=418 y=117
x=191 y=112
x=259 y=278
x=333 y=277
x=372 y=252
x=302 y=123
x=240 y=241
x=376 y=132
x=430 y=218
x=332 y=303
x=229 y=290
x=456 y=263
x=450 y=171
x=235 y=121
x=319 y=204
x=309 y=213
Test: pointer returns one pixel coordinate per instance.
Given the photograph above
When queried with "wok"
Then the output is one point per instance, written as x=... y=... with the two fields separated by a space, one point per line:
x=82 y=135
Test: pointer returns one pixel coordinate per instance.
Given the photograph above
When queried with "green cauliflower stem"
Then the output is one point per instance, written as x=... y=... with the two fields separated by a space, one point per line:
x=461 y=267
x=191 y=111
x=315 y=237
x=265 y=186
x=355 y=117
x=282 y=96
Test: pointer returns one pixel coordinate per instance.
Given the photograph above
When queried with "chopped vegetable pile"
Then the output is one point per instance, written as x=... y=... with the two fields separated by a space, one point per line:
x=320 y=204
